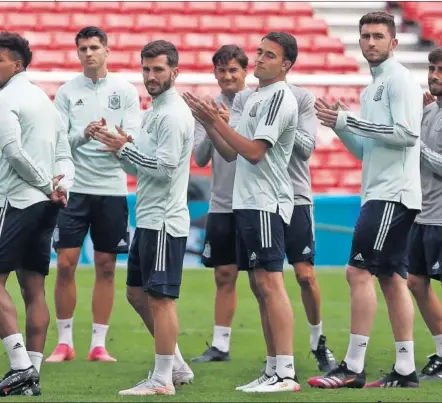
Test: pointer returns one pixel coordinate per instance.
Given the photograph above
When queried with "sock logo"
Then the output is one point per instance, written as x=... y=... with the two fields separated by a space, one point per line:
x=403 y=350
x=67 y=326
x=225 y=334
x=289 y=366
x=274 y=367
x=364 y=344
x=94 y=331
x=18 y=345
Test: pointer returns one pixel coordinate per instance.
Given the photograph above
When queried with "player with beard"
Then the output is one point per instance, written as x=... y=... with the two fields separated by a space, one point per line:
x=386 y=138
x=425 y=239
x=160 y=159
x=97 y=201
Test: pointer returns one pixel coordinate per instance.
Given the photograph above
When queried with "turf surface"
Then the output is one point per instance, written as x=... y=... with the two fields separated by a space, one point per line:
x=82 y=381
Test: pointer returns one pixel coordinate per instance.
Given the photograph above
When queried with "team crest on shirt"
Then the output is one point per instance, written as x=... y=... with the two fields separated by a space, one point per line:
x=438 y=125
x=254 y=109
x=378 y=93
x=114 y=102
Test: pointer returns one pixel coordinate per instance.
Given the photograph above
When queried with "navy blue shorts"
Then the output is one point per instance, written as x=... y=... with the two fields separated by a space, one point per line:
x=156 y=262
x=25 y=237
x=300 y=236
x=220 y=240
x=425 y=251
x=259 y=240
x=380 y=238
x=105 y=216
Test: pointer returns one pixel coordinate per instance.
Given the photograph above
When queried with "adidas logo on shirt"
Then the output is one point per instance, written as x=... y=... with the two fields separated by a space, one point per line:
x=79 y=103
x=306 y=250
x=122 y=243
x=359 y=257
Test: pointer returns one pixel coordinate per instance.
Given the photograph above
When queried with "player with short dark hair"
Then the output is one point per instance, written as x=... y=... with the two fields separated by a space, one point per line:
x=160 y=159
x=299 y=235
x=36 y=173
x=262 y=143
x=425 y=239
x=98 y=200
x=230 y=68
x=386 y=138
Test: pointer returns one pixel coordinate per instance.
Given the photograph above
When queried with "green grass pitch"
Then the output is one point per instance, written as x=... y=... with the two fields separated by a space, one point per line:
x=82 y=381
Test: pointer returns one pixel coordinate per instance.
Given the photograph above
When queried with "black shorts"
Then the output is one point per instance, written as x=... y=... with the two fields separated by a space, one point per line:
x=25 y=237
x=299 y=236
x=220 y=240
x=259 y=240
x=156 y=262
x=380 y=238
x=425 y=251
x=105 y=216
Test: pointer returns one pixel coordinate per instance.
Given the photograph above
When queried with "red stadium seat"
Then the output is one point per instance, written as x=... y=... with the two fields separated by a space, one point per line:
x=240 y=40
x=215 y=23
x=188 y=23
x=327 y=44
x=166 y=7
x=35 y=6
x=280 y=23
x=341 y=63
x=38 y=40
x=199 y=41
x=79 y=21
x=18 y=21
x=104 y=6
x=63 y=40
x=137 y=7
x=297 y=8
x=233 y=7
x=119 y=22
x=248 y=23
x=131 y=41
x=7 y=6
x=48 y=59
x=77 y=6
x=175 y=38
x=265 y=7
x=202 y=7
x=308 y=63
x=324 y=177
x=307 y=25
x=351 y=177
x=52 y=21
x=342 y=160
x=145 y=22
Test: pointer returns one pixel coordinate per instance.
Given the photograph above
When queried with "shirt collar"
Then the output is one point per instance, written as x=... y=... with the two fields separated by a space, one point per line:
x=384 y=67
x=90 y=83
x=17 y=77
x=272 y=87
x=162 y=98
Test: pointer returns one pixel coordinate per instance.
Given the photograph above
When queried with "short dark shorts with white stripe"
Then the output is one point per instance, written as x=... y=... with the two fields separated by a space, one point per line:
x=380 y=238
x=156 y=262
x=259 y=240
x=26 y=236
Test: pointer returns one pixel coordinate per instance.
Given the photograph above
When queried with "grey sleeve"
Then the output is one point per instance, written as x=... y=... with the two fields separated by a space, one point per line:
x=61 y=102
x=63 y=160
x=15 y=155
x=431 y=159
x=202 y=146
x=307 y=128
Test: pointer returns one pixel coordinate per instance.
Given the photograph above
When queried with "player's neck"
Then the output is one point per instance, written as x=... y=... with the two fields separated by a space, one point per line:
x=95 y=75
x=266 y=83
x=231 y=95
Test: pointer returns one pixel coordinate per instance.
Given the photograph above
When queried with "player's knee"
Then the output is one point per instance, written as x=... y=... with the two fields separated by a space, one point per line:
x=105 y=266
x=133 y=296
x=418 y=285
x=356 y=276
x=66 y=266
x=305 y=275
x=225 y=276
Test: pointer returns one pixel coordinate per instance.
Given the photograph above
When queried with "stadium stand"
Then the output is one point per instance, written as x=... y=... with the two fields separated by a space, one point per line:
x=327 y=34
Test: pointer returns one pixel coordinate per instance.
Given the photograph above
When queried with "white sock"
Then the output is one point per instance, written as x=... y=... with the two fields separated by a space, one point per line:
x=18 y=356
x=315 y=334
x=404 y=357
x=270 y=366
x=65 y=331
x=285 y=366
x=221 y=338
x=178 y=360
x=355 y=358
x=438 y=341
x=36 y=359
x=163 y=369
x=99 y=335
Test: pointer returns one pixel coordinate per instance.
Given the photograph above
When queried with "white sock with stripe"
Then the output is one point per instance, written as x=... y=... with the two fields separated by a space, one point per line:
x=438 y=342
x=355 y=358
